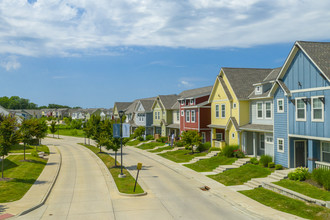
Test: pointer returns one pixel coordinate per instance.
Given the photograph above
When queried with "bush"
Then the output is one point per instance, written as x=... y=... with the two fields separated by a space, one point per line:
x=204 y=147
x=179 y=144
x=162 y=139
x=214 y=149
x=139 y=131
x=239 y=154
x=271 y=165
x=34 y=154
x=228 y=150
x=265 y=159
x=140 y=138
x=149 y=137
x=74 y=132
x=254 y=161
x=278 y=167
x=299 y=174
x=322 y=177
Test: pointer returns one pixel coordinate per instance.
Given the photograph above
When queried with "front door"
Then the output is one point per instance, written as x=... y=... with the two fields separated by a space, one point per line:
x=300 y=150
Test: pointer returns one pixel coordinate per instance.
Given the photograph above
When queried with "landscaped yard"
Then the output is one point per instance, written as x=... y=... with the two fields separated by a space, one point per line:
x=151 y=145
x=210 y=164
x=181 y=156
x=124 y=185
x=134 y=143
x=286 y=204
x=241 y=175
x=19 y=148
x=305 y=188
x=23 y=174
x=161 y=149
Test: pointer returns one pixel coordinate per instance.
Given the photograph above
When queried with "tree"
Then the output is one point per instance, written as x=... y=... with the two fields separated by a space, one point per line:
x=191 y=138
x=102 y=131
x=41 y=129
x=139 y=131
x=53 y=128
x=115 y=146
x=88 y=129
x=9 y=135
x=76 y=124
x=27 y=131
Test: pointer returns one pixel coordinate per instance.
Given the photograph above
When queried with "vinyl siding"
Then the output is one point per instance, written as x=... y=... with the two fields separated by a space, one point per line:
x=253 y=113
x=244 y=108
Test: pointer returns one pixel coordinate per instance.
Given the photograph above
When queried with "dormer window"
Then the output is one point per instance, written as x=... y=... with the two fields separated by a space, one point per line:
x=258 y=90
x=192 y=101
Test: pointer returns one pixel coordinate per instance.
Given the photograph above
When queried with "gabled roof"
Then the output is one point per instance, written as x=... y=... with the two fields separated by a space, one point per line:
x=122 y=106
x=235 y=124
x=225 y=88
x=273 y=75
x=168 y=100
x=193 y=93
x=147 y=104
x=284 y=87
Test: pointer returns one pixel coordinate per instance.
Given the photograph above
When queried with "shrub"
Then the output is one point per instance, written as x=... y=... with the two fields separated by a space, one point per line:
x=74 y=132
x=265 y=159
x=162 y=139
x=149 y=137
x=140 y=138
x=228 y=150
x=271 y=165
x=214 y=149
x=204 y=147
x=299 y=174
x=322 y=177
x=239 y=154
x=179 y=144
x=139 y=131
x=34 y=154
x=254 y=161
x=278 y=167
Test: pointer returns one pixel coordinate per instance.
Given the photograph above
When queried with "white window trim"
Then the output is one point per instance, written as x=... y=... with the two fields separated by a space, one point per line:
x=260 y=141
x=182 y=112
x=233 y=135
x=234 y=105
x=262 y=110
x=278 y=109
x=260 y=90
x=312 y=116
x=194 y=116
x=182 y=102
x=192 y=101
x=221 y=136
x=321 y=151
x=224 y=111
x=300 y=119
x=271 y=110
x=216 y=111
x=278 y=149
x=187 y=115
x=178 y=115
x=268 y=142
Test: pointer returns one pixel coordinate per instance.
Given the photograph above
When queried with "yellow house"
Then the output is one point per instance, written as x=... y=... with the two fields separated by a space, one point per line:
x=230 y=105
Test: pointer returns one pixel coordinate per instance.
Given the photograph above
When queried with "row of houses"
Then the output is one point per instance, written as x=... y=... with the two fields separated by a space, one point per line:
x=282 y=112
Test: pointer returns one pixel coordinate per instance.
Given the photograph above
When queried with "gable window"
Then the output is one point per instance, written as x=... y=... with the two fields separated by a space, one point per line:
x=268 y=110
x=182 y=113
x=192 y=115
x=234 y=105
x=223 y=111
x=258 y=90
x=300 y=110
x=259 y=110
x=317 y=109
x=325 y=152
x=217 y=111
x=280 y=145
x=187 y=116
x=233 y=135
x=280 y=105
x=178 y=115
x=192 y=101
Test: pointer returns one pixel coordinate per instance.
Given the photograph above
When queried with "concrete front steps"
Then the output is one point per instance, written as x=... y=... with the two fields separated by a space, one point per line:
x=238 y=163
x=209 y=155
x=174 y=149
x=273 y=177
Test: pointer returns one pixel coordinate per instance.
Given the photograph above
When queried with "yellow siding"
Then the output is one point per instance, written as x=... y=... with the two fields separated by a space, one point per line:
x=231 y=130
x=219 y=98
x=244 y=112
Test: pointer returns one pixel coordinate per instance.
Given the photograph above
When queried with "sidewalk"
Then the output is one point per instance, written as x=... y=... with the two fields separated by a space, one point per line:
x=236 y=199
x=39 y=191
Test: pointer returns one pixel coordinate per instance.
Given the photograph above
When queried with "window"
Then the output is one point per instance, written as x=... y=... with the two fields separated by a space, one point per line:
x=187 y=116
x=178 y=115
x=233 y=135
x=217 y=111
x=317 y=109
x=258 y=90
x=325 y=152
x=300 y=110
x=280 y=145
x=182 y=102
x=234 y=105
x=163 y=113
x=259 y=110
x=203 y=137
x=182 y=113
x=192 y=115
x=192 y=101
x=269 y=140
x=223 y=111
x=268 y=110
x=262 y=141
x=155 y=115
x=280 y=105
x=158 y=115
x=218 y=136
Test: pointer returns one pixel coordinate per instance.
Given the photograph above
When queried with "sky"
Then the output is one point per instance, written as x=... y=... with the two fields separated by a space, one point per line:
x=94 y=53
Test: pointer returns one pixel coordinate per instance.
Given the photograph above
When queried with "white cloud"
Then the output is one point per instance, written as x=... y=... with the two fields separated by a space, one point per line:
x=10 y=63
x=74 y=27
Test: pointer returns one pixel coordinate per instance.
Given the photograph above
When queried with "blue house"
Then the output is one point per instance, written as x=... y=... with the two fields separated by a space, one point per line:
x=302 y=107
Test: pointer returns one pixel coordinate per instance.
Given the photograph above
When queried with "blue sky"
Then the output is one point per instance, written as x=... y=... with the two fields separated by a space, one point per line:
x=93 y=53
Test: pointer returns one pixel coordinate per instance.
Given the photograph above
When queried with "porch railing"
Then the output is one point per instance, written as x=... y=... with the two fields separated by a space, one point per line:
x=323 y=165
x=219 y=144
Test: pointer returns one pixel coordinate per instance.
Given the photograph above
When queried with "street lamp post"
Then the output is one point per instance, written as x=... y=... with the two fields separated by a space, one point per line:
x=121 y=114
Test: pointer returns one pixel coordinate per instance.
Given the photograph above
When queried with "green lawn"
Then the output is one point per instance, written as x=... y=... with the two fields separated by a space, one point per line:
x=124 y=185
x=286 y=204
x=305 y=189
x=19 y=148
x=161 y=149
x=134 y=143
x=181 y=156
x=68 y=132
x=241 y=175
x=210 y=164
x=150 y=145
x=23 y=175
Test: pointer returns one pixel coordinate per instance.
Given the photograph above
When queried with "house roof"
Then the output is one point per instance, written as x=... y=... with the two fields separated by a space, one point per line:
x=242 y=79
x=319 y=52
x=283 y=86
x=147 y=104
x=257 y=127
x=176 y=126
x=193 y=93
x=233 y=120
x=122 y=106
x=273 y=75
x=145 y=101
x=168 y=100
x=225 y=88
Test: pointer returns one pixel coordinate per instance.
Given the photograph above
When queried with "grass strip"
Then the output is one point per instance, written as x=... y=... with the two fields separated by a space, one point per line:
x=134 y=143
x=19 y=148
x=161 y=149
x=124 y=185
x=68 y=132
x=240 y=175
x=305 y=189
x=150 y=145
x=181 y=156
x=286 y=204
x=22 y=173
x=210 y=164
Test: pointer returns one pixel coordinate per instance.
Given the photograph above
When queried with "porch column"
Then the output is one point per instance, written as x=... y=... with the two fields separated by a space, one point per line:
x=310 y=155
x=211 y=137
x=244 y=141
x=254 y=144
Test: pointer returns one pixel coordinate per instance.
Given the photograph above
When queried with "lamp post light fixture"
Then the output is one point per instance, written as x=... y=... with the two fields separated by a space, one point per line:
x=121 y=114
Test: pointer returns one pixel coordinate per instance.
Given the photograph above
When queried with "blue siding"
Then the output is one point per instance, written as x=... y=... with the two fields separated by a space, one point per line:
x=280 y=129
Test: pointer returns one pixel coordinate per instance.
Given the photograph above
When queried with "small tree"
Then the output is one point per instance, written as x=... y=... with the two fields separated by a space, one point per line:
x=41 y=129
x=88 y=129
x=191 y=138
x=53 y=128
x=27 y=131
x=9 y=135
x=115 y=146
x=139 y=131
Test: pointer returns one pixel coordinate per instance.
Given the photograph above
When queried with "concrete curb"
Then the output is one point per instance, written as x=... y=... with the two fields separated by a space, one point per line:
x=49 y=189
x=106 y=173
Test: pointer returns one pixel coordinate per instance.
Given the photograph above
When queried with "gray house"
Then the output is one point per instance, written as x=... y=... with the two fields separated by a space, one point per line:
x=144 y=115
